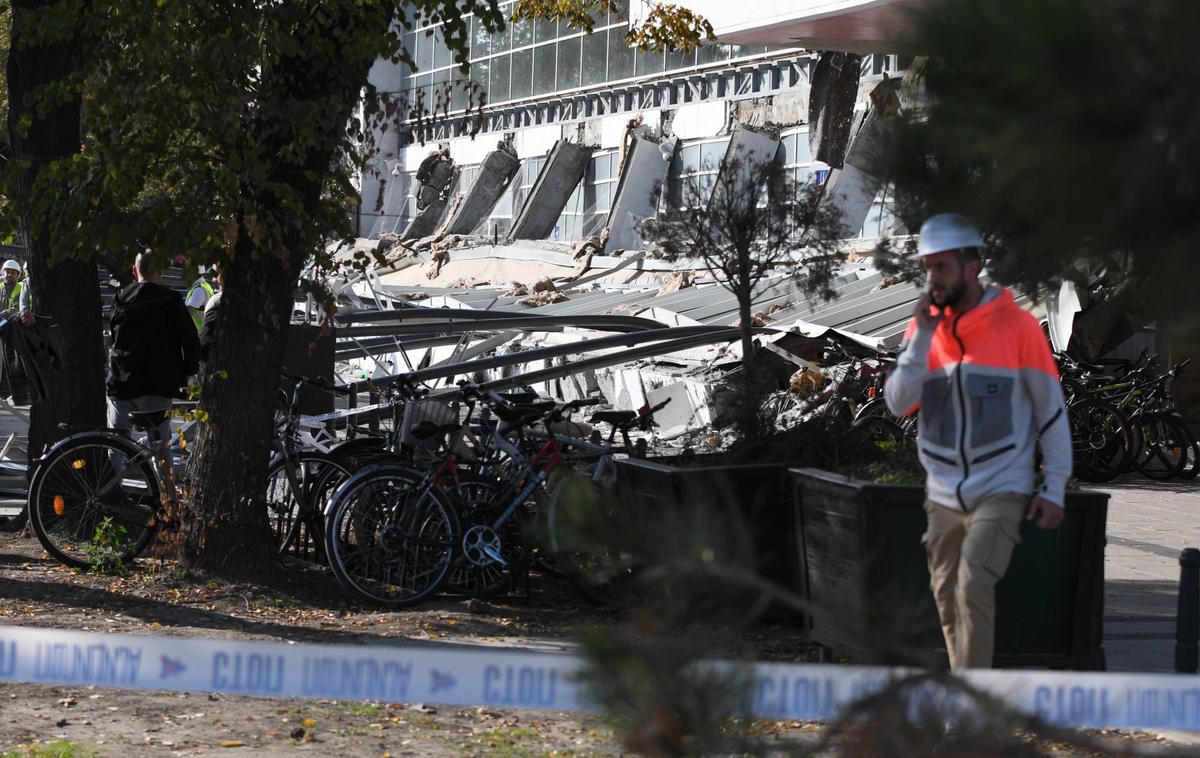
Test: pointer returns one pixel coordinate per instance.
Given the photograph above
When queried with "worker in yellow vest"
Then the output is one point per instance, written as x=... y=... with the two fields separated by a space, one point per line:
x=197 y=298
x=12 y=304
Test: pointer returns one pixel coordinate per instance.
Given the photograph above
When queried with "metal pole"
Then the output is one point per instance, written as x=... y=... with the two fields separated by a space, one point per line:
x=1187 y=618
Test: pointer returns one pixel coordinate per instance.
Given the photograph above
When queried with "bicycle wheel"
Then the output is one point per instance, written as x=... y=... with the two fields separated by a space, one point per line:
x=299 y=531
x=478 y=501
x=77 y=486
x=580 y=513
x=1167 y=445
x=390 y=540
x=1100 y=440
x=880 y=429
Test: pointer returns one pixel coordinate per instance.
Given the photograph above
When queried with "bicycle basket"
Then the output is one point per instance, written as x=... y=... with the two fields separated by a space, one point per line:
x=434 y=411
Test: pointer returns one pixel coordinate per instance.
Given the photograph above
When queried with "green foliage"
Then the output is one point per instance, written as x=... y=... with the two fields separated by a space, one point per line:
x=107 y=550
x=55 y=749
x=1067 y=130
x=665 y=27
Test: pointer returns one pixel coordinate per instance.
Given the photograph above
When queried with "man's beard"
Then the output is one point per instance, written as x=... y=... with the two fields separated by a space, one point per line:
x=951 y=294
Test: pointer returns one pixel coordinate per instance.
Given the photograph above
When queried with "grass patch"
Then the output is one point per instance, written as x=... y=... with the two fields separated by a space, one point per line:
x=56 y=749
x=504 y=742
x=369 y=710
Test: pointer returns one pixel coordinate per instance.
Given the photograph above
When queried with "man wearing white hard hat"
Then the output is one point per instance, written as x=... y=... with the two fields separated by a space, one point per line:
x=10 y=294
x=980 y=371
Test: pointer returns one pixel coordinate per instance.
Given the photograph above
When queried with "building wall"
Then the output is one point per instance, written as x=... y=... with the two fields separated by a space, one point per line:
x=533 y=68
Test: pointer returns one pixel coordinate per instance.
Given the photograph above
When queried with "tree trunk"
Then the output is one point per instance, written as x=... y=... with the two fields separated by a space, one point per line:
x=222 y=506
x=67 y=292
x=223 y=514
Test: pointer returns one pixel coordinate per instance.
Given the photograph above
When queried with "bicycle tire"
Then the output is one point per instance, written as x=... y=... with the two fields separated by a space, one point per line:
x=1167 y=447
x=477 y=503
x=302 y=534
x=575 y=508
x=63 y=508
x=1101 y=440
x=379 y=520
x=1192 y=468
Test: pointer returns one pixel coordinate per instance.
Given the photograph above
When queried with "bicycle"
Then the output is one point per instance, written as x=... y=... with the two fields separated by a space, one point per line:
x=394 y=532
x=88 y=477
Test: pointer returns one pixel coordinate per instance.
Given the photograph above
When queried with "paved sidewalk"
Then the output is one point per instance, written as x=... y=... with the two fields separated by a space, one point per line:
x=1149 y=523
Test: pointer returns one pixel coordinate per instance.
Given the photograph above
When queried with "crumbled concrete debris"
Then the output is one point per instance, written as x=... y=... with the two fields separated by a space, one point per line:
x=588 y=245
x=516 y=289
x=415 y=296
x=466 y=283
x=545 y=284
x=581 y=268
x=888 y=281
x=676 y=281
x=544 y=297
x=436 y=260
x=757 y=319
x=777 y=307
x=387 y=241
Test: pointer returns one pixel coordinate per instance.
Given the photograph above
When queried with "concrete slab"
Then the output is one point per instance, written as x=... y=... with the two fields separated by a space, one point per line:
x=564 y=168
x=495 y=172
x=642 y=179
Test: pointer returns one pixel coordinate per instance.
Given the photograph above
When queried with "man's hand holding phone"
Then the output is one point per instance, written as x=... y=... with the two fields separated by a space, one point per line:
x=921 y=311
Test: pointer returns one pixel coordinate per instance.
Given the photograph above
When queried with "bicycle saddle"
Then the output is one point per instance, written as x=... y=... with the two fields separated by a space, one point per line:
x=144 y=420
x=520 y=397
x=523 y=413
x=426 y=429
x=616 y=418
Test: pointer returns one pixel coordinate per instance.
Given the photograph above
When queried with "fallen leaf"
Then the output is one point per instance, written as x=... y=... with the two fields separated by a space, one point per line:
x=232 y=743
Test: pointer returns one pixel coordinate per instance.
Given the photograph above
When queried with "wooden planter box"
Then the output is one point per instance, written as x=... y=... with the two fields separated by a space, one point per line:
x=753 y=499
x=866 y=577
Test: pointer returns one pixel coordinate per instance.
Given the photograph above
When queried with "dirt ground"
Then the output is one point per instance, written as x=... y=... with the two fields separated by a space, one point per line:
x=305 y=605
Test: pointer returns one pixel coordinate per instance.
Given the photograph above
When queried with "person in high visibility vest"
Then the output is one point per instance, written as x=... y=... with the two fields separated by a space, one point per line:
x=11 y=305
x=197 y=298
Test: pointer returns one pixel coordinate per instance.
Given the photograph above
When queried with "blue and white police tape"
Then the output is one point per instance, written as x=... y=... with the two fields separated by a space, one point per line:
x=453 y=675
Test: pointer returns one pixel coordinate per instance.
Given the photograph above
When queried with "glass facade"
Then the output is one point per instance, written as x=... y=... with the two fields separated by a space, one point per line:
x=543 y=58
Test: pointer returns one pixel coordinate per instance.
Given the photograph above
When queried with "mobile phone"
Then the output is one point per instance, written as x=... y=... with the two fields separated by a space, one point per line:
x=937 y=309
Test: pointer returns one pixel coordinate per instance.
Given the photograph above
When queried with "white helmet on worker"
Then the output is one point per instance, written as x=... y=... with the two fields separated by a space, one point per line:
x=11 y=265
x=947 y=231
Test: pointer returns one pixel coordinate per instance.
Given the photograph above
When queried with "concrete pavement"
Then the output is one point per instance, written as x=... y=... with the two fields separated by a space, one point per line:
x=1149 y=523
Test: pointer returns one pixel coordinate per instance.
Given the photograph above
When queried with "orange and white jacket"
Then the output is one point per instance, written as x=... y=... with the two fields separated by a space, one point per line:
x=988 y=392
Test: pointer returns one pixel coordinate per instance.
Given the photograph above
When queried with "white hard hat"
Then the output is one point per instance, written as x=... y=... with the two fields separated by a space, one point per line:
x=947 y=231
x=10 y=265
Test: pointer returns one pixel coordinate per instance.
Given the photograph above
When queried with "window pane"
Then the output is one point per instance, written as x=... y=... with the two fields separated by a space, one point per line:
x=689 y=159
x=649 y=63
x=595 y=55
x=481 y=41
x=522 y=33
x=500 y=40
x=620 y=56
x=711 y=154
x=460 y=93
x=680 y=60
x=479 y=78
x=441 y=51
x=711 y=54
x=802 y=153
x=423 y=51
x=441 y=90
x=499 y=82
x=543 y=69
x=620 y=12
x=545 y=30
x=568 y=63
x=522 y=74
x=599 y=168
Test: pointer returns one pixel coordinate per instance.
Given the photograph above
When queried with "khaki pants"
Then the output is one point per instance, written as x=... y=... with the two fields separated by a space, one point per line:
x=968 y=553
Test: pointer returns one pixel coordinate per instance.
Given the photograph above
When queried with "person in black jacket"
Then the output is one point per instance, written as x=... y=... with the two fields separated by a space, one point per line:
x=154 y=348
